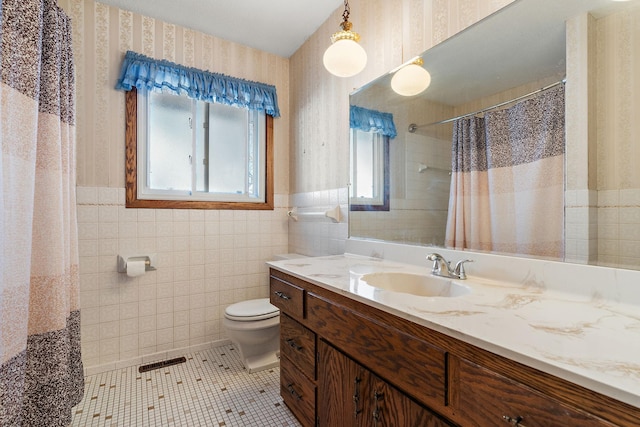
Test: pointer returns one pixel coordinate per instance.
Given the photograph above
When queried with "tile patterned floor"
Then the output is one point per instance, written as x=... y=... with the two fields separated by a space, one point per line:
x=211 y=389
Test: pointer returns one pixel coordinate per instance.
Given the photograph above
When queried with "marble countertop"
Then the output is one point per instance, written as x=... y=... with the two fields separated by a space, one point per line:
x=584 y=339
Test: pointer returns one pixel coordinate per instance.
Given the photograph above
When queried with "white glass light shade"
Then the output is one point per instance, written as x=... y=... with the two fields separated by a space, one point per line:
x=410 y=80
x=344 y=58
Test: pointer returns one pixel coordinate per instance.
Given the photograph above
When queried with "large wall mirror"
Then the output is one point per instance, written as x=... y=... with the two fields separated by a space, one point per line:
x=593 y=46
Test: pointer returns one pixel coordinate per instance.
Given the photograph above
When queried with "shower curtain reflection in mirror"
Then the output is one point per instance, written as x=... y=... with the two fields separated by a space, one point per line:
x=507 y=187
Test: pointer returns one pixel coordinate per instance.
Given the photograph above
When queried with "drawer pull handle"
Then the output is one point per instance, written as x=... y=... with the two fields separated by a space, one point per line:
x=376 y=411
x=282 y=295
x=293 y=344
x=517 y=421
x=356 y=397
x=376 y=416
x=293 y=392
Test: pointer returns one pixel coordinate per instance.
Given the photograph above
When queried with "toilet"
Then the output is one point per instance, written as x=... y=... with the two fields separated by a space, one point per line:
x=253 y=326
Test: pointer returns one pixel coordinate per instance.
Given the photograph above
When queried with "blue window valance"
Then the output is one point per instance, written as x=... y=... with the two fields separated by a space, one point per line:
x=372 y=121
x=143 y=72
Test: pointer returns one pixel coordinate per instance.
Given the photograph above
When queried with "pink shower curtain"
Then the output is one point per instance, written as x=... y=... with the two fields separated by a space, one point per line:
x=41 y=374
x=507 y=188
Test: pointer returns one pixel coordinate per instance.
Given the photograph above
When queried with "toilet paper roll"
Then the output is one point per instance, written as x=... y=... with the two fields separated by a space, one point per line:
x=135 y=268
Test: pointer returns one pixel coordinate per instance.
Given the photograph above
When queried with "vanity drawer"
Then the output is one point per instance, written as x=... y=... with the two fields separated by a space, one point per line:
x=298 y=344
x=288 y=297
x=298 y=392
x=486 y=398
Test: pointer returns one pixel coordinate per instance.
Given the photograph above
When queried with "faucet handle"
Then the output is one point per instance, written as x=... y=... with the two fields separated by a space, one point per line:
x=437 y=262
x=459 y=269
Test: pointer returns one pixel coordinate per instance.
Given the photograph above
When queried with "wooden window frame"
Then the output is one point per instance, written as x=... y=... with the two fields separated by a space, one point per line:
x=131 y=166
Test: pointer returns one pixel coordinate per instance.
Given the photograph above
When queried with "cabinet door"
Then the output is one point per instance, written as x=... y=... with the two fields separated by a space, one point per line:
x=386 y=406
x=339 y=388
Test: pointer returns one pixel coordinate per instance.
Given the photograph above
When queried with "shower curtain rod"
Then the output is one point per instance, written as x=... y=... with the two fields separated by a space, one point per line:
x=413 y=127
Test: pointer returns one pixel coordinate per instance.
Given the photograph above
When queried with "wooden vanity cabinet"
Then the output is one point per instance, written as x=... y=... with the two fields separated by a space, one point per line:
x=346 y=363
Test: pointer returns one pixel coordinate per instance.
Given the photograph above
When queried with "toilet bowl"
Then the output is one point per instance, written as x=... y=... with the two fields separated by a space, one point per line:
x=253 y=326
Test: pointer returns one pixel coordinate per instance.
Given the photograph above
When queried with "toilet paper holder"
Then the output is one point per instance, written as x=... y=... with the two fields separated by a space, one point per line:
x=149 y=262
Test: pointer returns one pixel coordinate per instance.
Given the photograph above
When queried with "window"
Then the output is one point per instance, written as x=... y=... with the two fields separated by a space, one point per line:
x=186 y=153
x=369 y=171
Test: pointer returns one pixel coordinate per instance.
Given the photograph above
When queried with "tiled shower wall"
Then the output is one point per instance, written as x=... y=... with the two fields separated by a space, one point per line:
x=206 y=260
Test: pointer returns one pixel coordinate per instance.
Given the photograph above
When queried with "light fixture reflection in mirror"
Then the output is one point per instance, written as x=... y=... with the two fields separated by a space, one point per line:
x=411 y=79
x=345 y=57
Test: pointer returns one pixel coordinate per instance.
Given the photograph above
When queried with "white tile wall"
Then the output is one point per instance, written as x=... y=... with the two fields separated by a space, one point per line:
x=319 y=236
x=581 y=226
x=206 y=260
x=419 y=216
x=602 y=227
x=619 y=228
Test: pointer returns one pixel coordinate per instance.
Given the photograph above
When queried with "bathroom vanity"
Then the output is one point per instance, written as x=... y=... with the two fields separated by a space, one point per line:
x=354 y=355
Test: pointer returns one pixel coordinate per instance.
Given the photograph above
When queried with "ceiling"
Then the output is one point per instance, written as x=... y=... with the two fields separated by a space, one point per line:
x=275 y=26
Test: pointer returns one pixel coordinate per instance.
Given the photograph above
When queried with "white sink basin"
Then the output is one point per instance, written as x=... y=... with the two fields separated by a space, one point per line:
x=416 y=284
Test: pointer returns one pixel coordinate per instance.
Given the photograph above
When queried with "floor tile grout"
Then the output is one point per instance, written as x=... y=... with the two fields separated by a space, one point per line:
x=211 y=388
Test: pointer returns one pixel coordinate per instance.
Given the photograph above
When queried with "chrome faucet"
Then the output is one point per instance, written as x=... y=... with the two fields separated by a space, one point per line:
x=442 y=267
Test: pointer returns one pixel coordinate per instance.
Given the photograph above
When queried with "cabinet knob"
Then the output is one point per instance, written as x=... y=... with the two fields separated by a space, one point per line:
x=293 y=344
x=293 y=392
x=517 y=421
x=282 y=295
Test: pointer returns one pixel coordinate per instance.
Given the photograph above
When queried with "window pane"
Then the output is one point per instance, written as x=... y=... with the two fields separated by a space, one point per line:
x=170 y=142
x=228 y=135
x=202 y=147
x=365 y=164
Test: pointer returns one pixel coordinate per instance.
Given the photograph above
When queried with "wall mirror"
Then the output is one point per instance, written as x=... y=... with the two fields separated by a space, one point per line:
x=528 y=45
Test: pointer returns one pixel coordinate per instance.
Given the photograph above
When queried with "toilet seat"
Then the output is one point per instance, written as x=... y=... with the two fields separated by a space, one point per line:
x=251 y=310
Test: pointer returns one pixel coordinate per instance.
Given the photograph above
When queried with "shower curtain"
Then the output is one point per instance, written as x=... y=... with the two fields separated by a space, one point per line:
x=41 y=375
x=507 y=188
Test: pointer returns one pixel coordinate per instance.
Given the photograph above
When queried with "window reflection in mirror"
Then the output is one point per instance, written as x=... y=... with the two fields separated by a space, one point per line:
x=369 y=171
x=184 y=153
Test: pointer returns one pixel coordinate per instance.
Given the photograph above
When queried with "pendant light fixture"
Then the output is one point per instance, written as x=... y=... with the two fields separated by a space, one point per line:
x=345 y=57
x=411 y=79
